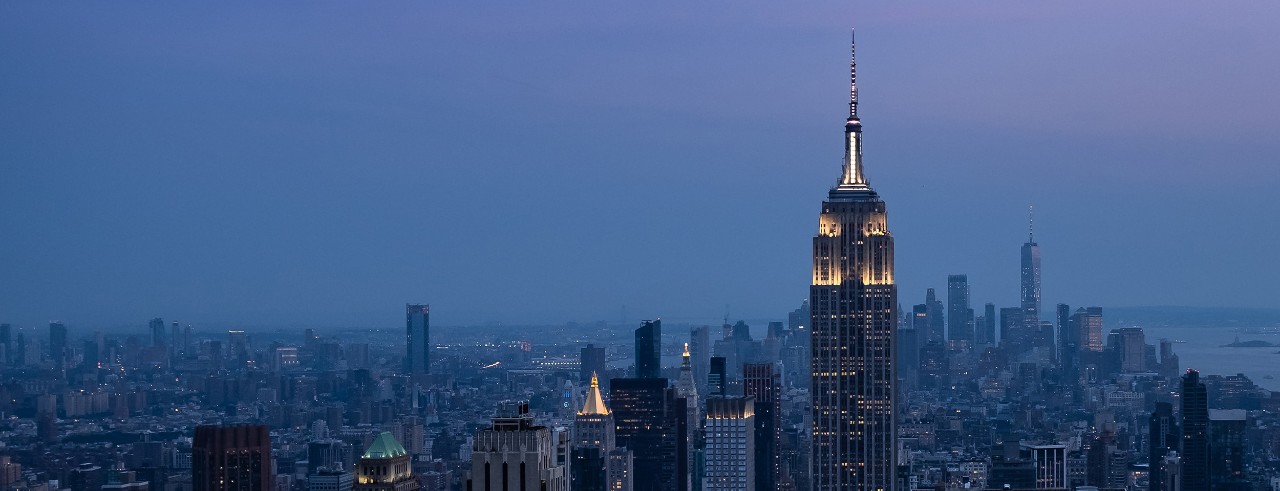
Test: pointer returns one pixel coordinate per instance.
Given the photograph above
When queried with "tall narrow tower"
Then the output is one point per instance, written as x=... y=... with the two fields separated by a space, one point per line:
x=853 y=298
x=1031 y=278
x=417 y=323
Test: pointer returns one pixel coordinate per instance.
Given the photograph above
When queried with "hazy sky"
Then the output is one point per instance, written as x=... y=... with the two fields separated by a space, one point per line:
x=323 y=163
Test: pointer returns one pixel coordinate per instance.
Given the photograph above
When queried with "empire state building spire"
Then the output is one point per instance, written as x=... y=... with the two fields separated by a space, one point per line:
x=853 y=76
x=852 y=178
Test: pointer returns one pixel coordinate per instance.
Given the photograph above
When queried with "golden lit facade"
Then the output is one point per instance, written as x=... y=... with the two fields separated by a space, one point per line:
x=852 y=301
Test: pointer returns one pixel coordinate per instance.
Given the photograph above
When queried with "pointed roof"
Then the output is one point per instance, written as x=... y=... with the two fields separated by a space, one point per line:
x=853 y=75
x=853 y=183
x=595 y=403
x=384 y=446
x=685 y=362
x=1031 y=224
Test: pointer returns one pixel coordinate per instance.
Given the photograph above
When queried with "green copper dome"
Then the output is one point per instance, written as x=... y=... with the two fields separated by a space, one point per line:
x=384 y=447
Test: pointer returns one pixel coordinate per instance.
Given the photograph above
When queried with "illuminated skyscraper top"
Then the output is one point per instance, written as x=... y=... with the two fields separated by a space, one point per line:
x=852 y=301
x=852 y=181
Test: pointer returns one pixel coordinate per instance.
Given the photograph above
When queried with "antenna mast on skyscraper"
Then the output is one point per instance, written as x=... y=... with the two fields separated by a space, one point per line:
x=853 y=75
x=1031 y=223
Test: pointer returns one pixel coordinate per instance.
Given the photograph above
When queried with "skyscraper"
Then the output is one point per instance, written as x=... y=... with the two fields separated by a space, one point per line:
x=649 y=349
x=1168 y=359
x=514 y=454
x=157 y=332
x=1051 y=466
x=731 y=460
x=853 y=297
x=592 y=362
x=1163 y=437
x=1067 y=340
x=988 y=326
x=1133 y=350
x=1226 y=450
x=687 y=389
x=1031 y=279
x=417 y=324
x=598 y=464
x=1087 y=323
x=650 y=421
x=959 y=320
x=176 y=345
x=231 y=458
x=937 y=326
x=6 y=345
x=799 y=318
x=700 y=349
x=57 y=342
x=920 y=321
x=1012 y=329
x=908 y=355
x=717 y=376
x=1195 y=433
x=762 y=383
x=328 y=454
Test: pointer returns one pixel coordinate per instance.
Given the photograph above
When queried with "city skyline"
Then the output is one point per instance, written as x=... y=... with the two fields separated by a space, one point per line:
x=265 y=184
x=301 y=216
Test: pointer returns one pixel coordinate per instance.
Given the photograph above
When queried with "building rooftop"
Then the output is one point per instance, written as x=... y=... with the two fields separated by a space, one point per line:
x=384 y=447
x=595 y=403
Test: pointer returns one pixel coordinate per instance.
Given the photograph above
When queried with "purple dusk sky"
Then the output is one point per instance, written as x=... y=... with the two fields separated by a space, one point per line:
x=323 y=163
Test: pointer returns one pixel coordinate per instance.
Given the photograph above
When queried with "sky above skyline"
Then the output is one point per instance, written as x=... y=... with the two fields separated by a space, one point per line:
x=324 y=163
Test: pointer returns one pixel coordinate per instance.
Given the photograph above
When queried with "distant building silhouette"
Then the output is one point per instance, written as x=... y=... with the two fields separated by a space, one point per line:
x=1133 y=350
x=649 y=349
x=57 y=343
x=6 y=345
x=417 y=325
x=1013 y=332
x=1030 y=280
x=959 y=313
x=700 y=348
x=937 y=322
x=1087 y=323
x=1068 y=347
x=592 y=359
x=157 y=333
x=985 y=331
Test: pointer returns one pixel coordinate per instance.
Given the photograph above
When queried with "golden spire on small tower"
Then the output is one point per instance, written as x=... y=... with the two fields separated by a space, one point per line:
x=595 y=403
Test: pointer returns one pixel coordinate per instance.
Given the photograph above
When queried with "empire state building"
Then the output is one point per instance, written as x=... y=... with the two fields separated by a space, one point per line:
x=853 y=298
